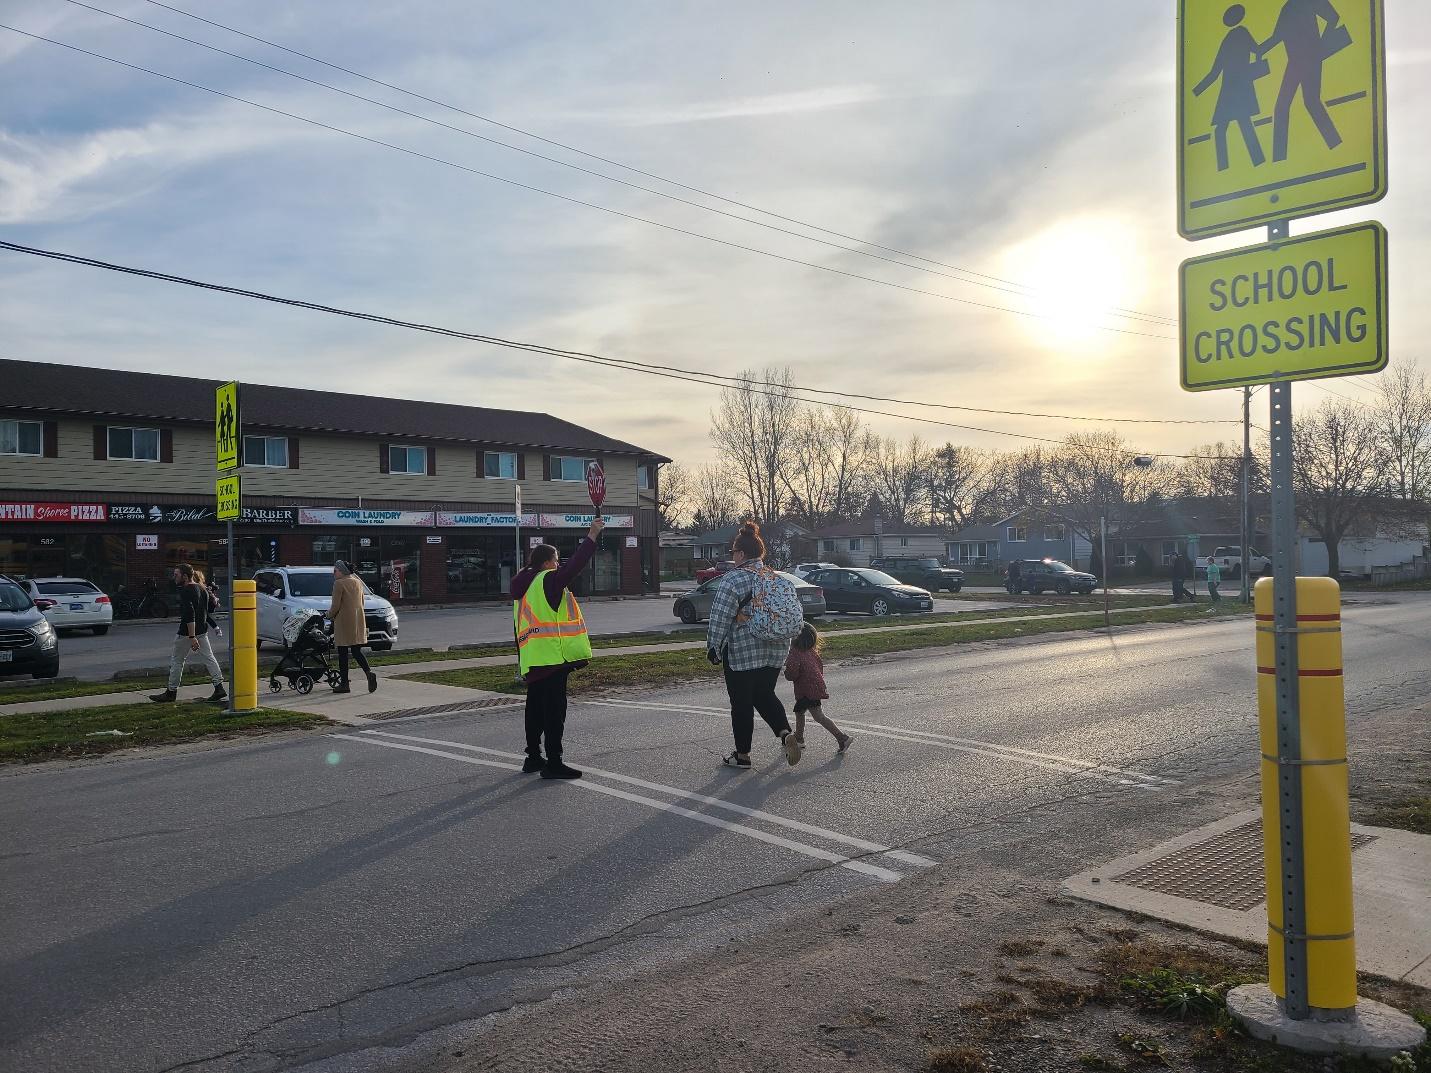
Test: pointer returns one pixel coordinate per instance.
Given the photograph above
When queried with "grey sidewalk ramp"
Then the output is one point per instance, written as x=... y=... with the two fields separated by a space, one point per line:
x=1212 y=879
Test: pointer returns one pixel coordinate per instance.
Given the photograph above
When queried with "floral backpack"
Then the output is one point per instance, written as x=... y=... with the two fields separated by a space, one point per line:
x=774 y=613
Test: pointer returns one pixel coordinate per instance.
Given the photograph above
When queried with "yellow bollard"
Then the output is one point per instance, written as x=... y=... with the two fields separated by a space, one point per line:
x=1326 y=821
x=243 y=622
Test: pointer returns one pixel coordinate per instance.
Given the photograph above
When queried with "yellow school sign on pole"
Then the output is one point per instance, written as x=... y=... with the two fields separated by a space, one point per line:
x=228 y=440
x=228 y=496
x=1296 y=309
x=1281 y=111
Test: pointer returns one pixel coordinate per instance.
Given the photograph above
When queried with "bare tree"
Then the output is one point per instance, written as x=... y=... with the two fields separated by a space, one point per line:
x=900 y=478
x=1339 y=473
x=714 y=503
x=1092 y=477
x=1214 y=470
x=828 y=476
x=1018 y=480
x=1402 y=416
x=754 y=428
x=961 y=486
x=674 y=492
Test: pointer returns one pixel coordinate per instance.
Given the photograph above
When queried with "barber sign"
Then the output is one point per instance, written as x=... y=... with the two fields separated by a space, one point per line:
x=596 y=484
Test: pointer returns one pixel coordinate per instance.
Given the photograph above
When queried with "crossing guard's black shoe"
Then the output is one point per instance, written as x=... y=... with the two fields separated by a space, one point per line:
x=555 y=769
x=533 y=763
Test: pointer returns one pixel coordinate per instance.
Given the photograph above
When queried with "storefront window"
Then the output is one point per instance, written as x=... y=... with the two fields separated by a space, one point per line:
x=398 y=568
x=195 y=552
x=607 y=564
x=474 y=564
x=327 y=550
x=14 y=557
x=255 y=553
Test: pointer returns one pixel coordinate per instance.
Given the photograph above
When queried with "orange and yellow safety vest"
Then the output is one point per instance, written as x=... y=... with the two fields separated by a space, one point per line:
x=547 y=637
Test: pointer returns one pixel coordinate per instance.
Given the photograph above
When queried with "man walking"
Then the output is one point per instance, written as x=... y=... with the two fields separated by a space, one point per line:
x=193 y=637
x=1307 y=46
x=1180 y=575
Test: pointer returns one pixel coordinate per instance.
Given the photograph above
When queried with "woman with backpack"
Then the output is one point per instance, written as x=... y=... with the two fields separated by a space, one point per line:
x=754 y=616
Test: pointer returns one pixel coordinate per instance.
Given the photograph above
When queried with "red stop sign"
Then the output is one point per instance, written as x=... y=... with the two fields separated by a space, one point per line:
x=596 y=483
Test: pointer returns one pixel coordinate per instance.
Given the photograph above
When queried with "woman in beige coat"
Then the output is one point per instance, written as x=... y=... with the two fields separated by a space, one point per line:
x=350 y=625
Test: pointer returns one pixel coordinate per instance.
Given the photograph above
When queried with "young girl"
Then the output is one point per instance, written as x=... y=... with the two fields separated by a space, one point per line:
x=804 y=667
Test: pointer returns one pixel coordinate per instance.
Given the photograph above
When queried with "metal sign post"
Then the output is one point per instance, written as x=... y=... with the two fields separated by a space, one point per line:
x=1243 y=524
x=228 y=459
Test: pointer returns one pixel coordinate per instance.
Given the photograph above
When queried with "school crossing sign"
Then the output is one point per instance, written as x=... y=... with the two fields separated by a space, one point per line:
x=1281 y=111
x=1298 y=309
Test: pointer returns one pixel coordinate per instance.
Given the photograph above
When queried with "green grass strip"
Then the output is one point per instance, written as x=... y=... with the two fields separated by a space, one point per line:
x=662 y=668
x=91 y=731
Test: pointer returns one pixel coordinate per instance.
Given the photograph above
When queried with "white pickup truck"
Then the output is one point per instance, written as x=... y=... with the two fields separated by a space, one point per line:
x=1230 y=561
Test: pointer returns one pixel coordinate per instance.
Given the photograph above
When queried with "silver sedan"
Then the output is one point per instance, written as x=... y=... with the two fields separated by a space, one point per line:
x=694 y=606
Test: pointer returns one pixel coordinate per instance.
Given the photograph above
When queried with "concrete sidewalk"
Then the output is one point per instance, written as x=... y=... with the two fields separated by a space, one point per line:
x=361 y=705
x=1211 y=879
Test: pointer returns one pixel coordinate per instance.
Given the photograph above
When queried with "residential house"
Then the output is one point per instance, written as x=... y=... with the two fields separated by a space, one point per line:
x=857 y=542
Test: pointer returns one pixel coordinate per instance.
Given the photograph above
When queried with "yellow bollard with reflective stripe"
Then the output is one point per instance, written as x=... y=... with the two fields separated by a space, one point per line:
x=1326 y=820
x=244 y=624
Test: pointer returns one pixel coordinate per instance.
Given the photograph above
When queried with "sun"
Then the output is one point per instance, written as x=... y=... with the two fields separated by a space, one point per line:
x=1075 y=272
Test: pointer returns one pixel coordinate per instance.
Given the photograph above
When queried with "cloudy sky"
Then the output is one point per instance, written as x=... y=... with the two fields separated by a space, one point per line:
x=1031 y=142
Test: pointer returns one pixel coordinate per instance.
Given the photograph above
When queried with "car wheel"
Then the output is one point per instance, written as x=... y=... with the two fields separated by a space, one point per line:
x=956 y=588
x=1061 y=588
x=688 y=614
x=879 y=606
x=100 y=631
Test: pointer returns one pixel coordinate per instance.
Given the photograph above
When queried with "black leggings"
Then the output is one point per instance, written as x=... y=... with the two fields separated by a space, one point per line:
x=546 y=714
x=357 y=651
x=750 y=692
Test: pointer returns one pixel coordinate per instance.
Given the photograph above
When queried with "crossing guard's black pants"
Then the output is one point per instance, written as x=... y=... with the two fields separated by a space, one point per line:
x=546 y=714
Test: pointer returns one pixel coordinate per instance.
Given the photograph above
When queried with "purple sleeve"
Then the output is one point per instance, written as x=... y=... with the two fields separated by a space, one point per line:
x=561 y=578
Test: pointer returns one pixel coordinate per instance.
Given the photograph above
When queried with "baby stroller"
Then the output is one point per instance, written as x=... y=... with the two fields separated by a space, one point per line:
x=307 y=643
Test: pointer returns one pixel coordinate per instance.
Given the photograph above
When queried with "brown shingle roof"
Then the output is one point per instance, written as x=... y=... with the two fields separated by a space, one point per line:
x=73 y=389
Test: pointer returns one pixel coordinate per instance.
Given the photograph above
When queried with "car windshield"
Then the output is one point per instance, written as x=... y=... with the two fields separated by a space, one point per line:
x=878 y=577
x=13 y=598
x=313 y=584
x=798 y=582
x=932 y=564
x=63 y=588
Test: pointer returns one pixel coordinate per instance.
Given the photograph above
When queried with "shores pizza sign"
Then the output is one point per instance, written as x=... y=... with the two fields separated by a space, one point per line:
x=52 y=512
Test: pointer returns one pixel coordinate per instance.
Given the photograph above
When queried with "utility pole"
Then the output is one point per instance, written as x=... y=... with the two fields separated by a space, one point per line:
x=1246 y=474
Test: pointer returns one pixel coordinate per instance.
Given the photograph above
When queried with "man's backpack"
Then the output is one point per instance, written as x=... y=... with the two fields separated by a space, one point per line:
x=775 y=613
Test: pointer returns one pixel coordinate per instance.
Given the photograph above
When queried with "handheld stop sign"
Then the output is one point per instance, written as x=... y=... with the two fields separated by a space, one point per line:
x=596 y=484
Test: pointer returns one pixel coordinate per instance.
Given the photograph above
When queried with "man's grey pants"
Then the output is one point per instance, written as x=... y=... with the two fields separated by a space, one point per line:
x=181 y=655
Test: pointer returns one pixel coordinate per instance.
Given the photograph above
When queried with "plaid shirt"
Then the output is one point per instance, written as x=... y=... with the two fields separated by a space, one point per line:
x=729 y=633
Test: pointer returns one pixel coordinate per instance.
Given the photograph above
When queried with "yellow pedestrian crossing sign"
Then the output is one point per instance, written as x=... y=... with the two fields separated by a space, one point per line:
x=228 y=435
x=1281 y=110
x=228 y=497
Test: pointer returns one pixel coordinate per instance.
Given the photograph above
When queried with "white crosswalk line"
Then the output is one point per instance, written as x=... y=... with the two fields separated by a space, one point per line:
x=886 y=875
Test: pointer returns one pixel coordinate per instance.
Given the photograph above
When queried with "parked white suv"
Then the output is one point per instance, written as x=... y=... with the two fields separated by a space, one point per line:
x=71 y=603
x=282 y=590
x=1230 y=561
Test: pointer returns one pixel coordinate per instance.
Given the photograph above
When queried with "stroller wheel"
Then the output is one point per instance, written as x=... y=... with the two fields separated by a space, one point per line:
x=304 y=683
x=275 y=686
x=333 y=678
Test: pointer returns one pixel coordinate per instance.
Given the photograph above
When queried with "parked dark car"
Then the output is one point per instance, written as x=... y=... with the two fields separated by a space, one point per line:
x=871 y=591
x=28 y=643
x=1050 y=575
x=695 y=606
x=928 y=572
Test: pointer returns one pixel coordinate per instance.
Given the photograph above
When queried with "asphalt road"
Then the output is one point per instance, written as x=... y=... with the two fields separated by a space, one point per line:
x=320 y=901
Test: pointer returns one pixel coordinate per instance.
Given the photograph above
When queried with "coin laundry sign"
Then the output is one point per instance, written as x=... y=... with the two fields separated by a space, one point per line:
x=1300 y=309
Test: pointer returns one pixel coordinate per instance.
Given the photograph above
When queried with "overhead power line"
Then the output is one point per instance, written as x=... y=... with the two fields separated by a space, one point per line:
x=1015 y=289
x=965 y=275
x=625 y=364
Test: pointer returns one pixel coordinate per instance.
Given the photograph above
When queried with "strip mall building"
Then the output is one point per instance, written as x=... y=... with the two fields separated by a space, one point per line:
x=109 y=475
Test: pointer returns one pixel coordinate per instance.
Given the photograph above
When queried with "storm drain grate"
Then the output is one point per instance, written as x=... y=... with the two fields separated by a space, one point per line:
x=457 y=706
x=1225 y=871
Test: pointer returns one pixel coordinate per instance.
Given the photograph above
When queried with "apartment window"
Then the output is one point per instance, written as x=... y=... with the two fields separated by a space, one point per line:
x=407 y=459
x=904 y=542
x=856 y=544
x=1018 y=534
x=1054 y=532
x=266 y=451
x=643 y=478
x=501 y=465
x=21 y=438
x=137 y=444
x=564 y=468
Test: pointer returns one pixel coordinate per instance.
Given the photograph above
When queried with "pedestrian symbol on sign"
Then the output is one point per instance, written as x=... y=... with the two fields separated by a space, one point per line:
x=227 y=432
